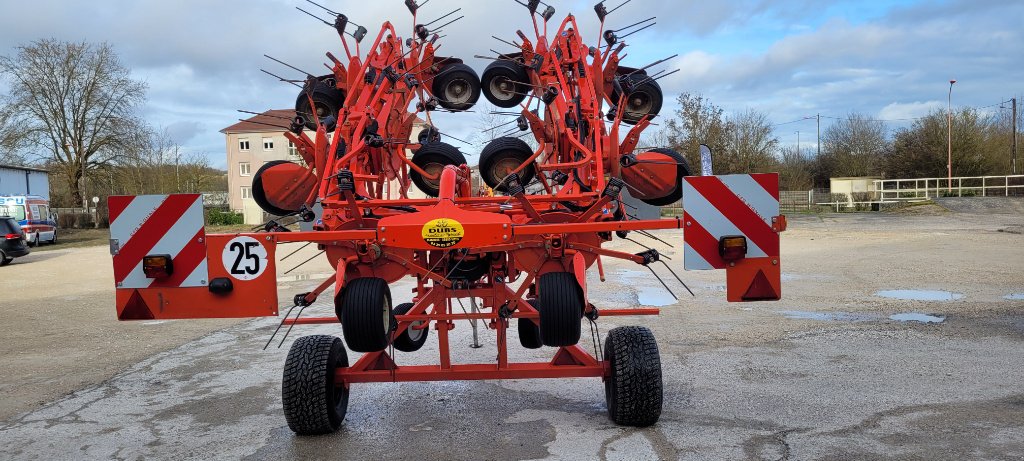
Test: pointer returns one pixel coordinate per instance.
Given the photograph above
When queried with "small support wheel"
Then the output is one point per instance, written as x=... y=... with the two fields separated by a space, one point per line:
x=561 y=309
x=364 y=310
x=529 y=332
x=410 y=340
x=432 y=158
x=313 y=402
x=633 y=389
x=456 y=86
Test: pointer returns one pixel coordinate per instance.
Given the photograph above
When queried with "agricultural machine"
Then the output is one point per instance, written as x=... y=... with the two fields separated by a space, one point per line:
x=524 y=252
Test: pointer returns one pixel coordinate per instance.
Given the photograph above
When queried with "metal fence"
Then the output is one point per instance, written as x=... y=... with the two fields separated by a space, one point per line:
x=889 y=190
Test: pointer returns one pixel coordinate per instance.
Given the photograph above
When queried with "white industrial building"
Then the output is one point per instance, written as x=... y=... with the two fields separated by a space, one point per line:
x=21 y=180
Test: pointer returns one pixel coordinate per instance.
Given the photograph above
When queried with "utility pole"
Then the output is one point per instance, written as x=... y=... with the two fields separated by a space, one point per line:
x=949 y=138
x=797 y=144
x=1014 y=100
x=819 y=135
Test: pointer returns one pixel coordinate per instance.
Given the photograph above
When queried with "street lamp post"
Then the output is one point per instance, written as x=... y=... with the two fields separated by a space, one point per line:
x=797 y=144
x=949 y=138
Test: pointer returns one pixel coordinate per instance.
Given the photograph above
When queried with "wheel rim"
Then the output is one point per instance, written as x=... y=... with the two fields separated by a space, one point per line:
x=415 y=334
x=433 y=169
x=387 y=317
x=640 y=103
x=502 y=88
x=457 y=91
x=504 y=167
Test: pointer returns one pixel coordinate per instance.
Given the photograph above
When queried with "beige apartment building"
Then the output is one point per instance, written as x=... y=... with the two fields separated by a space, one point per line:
x=255 y=141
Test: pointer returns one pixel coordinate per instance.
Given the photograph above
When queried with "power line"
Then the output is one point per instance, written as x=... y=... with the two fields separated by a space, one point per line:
x=881 y=119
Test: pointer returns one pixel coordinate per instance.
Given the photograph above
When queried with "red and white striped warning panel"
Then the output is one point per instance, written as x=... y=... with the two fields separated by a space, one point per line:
x=157 y=225
x=738 y=204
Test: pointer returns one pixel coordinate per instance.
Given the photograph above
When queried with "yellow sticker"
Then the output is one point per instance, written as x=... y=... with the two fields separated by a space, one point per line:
x=443 y=232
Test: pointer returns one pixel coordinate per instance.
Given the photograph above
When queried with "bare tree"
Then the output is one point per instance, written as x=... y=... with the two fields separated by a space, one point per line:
x=75 y=101
x=853 y=146
x=751 y=144
x=699 y=121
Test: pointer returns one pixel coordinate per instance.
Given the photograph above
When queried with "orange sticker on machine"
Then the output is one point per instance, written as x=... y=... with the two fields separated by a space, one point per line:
x=443 y=232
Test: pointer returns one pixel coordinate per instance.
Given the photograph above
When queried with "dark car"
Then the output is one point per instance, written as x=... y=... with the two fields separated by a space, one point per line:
x=12 y=241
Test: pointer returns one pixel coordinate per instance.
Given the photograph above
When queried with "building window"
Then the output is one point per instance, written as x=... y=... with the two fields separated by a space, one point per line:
x=244 y=169
x=243 y=145
x=268 y=144
x=292 y=151
x=246 y=192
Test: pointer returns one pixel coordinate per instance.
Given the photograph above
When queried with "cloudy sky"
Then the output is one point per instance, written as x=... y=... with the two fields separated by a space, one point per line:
x=889 y=59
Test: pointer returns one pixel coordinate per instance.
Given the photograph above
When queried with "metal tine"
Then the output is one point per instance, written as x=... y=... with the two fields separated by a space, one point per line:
x=504 y=41
x=292 y=82
x=287 y=65
x=442 y=17
x=265 y=115
x=318 y=18
x=289 y=330
x=304 y=262
x=296 y=251
x=638 y=30
x=662 y=282
x=438 y=29
x=659 y=75
x=324 y=8
x=653 y=64
x=498 y=126
x=620 y=6
x=676 y=276
x=636 y=24
x=647 y=248
x=264 y=123
x=279 y=325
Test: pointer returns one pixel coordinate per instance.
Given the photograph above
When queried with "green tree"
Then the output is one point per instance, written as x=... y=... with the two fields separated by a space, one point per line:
x=922 y=149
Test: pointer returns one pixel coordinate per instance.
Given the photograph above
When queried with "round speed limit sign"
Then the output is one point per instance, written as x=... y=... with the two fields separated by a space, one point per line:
x=245 y=258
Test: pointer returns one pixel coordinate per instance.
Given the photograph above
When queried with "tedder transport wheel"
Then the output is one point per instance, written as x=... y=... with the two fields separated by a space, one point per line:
x=633 y=390
x=561 y=309
x=327 y=100
x=500 y=157
x=529 y=332
x=645 y=99
x=411 y=340
x=456 y=87
x=505 y=83
x=364 y=309
x=432 y=158
x=312 y=403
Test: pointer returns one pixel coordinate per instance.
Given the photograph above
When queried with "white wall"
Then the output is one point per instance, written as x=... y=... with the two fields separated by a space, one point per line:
x=21 y=182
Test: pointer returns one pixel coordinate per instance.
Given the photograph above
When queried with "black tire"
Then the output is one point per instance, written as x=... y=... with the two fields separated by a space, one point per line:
x=645 y=99
x=35 y=241
x=561 y=309
x=529 y=332
x=259 y=195
x=327 y=99
x=432 y=158
x=505 y=83
x=683 y=170
x=428 y=134
x=504 y=154
x=4 y=260
x=410 y=340
x=456 y=87
x=633 y=390
x=312 y=403
x=364 y=310
x=53 y=241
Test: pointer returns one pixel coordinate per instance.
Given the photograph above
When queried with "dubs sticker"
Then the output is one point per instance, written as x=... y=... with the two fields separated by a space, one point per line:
x=443 y=232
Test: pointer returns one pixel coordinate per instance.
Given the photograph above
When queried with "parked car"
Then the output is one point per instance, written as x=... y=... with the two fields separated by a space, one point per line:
x=37 y=223
x=12 y=241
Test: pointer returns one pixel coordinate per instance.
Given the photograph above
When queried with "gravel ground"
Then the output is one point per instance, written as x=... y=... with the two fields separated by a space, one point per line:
x=823 y=374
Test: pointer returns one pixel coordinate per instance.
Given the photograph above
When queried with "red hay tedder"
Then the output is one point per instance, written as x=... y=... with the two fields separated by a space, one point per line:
x=524 y=252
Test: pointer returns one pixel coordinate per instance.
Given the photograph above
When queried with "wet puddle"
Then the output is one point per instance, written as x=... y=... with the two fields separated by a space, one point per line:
x=1014 y=296
x=654 y=297
x=920 y=295
x=855 y=317
x=828 y=316
x=917 y=317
